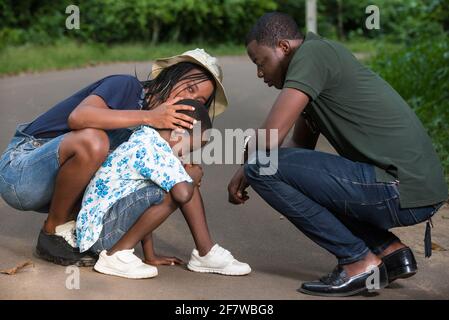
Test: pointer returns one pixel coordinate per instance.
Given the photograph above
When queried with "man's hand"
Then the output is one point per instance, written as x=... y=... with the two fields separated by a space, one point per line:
x=165 y=116
x=195 y=172
x=237 y=188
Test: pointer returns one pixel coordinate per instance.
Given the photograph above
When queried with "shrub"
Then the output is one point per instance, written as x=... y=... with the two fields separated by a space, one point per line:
x=420 y=73
x=115 y=21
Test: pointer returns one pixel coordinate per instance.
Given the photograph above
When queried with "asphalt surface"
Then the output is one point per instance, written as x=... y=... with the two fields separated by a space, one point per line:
x=281 y=257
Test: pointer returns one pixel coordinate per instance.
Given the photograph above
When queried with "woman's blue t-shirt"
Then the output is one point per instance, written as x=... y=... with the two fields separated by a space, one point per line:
x=123 y=92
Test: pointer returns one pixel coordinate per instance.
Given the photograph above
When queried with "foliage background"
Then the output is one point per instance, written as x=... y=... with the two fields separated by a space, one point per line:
x=115 y=21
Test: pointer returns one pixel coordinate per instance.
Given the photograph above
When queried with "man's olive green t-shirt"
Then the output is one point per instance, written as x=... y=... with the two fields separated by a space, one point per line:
x=366 y=120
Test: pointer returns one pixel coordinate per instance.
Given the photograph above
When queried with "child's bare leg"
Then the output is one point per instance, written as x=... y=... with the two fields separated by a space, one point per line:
x=147 y=223
x=218 y=260
x=195 y=216
x=152 y=258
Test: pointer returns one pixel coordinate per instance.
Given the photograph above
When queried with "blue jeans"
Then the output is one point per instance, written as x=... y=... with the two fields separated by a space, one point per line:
x=29 y=166
x=336 y=202
x=124 y=213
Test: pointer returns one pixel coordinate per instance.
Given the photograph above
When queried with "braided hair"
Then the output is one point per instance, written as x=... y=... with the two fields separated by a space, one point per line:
x=158 y=89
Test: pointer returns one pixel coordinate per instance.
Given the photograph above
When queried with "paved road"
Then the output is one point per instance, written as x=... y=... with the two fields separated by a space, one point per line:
x=280 y=256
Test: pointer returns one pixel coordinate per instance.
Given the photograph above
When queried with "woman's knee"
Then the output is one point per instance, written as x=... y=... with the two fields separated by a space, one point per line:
x=95 y=142
x=90 y=144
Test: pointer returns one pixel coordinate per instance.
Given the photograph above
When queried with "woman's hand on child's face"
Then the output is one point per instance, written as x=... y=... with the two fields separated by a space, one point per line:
x=195 y=172
x=165 y=116
x=161 y=260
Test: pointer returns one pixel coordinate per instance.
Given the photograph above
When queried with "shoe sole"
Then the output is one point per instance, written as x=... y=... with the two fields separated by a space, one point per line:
x=42 y=254
x=112 y=272
x=347 y=294
x=212 y=270
x=343 y=294
x=403 y=273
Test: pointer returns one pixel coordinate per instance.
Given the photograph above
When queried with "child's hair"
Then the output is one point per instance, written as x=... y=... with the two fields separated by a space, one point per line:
x=199 y=114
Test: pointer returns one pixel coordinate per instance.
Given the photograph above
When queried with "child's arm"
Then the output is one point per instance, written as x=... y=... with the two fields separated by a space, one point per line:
x=152 y=258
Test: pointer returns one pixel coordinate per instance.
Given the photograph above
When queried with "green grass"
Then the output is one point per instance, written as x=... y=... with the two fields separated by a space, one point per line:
x=367 y=49
x=70 y=54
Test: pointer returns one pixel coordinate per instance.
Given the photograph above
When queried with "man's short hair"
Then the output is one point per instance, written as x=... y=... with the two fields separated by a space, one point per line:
x=272 y=27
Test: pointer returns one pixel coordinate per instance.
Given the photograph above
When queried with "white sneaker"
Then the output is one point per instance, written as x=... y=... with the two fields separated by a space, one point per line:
x=217 y=260
x=124 y=264
x=68 y=232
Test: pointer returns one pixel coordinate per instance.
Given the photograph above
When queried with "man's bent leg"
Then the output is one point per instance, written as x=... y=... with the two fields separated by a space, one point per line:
x=314 y=220
x=375 y=238
x=305 y=195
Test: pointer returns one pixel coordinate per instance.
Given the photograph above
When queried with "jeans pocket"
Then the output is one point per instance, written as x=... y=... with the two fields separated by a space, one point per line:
x=35 y=153
x=379 y=214
x=14 y=148
x=18 y=152
x=412 y=216
x=394 y=208
x=9 y=195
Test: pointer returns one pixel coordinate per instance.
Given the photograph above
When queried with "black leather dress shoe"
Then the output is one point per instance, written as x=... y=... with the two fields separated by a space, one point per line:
x=55 y=249
x=338 y=284
x=400 y=264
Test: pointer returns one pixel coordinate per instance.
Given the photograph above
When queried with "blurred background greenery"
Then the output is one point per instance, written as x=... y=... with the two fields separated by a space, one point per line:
x=410 y=50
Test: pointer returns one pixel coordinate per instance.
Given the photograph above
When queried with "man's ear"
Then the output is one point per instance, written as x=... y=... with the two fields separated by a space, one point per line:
x=285 y=46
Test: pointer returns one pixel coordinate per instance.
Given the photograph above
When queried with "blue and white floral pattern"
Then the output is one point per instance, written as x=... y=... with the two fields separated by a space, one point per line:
x=144 y=159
